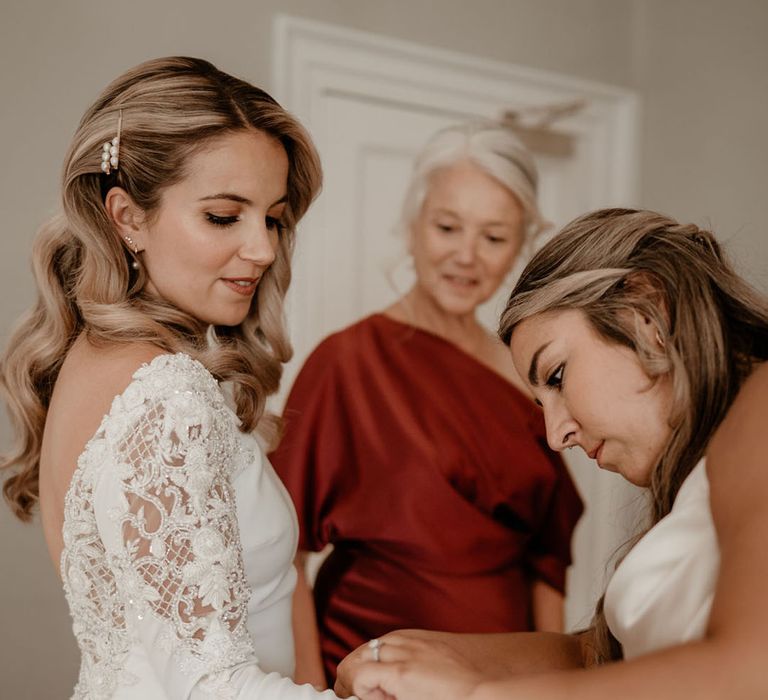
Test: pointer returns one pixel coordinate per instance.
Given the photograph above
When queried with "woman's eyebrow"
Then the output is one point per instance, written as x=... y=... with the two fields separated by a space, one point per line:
x=533 y=370
x=227 y=195
x=231 y=196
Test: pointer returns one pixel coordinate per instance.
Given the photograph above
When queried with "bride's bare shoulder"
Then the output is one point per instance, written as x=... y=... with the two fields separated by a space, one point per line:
x=88 y=381
x=102 y=371
x=90 y=378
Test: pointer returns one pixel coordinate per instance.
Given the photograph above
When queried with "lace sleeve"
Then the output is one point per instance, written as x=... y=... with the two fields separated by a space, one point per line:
x=176 y=554
x=181 y=555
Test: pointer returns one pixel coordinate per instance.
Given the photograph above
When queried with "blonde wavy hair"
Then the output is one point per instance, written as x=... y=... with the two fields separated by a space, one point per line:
x=171 y=109
x=621 y=265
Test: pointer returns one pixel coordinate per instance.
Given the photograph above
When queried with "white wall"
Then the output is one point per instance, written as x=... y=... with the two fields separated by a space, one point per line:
x=699 y=65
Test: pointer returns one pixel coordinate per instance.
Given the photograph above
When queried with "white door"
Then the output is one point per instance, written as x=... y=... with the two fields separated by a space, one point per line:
x=370 y=104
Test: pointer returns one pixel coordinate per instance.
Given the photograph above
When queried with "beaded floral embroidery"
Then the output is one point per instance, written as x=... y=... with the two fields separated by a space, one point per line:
x=172 y=446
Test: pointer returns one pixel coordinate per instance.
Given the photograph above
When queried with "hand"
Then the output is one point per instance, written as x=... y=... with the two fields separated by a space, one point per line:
x=412 y=666
x=347 y=669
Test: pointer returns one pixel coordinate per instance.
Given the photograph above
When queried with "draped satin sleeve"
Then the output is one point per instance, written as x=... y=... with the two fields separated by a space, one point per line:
x=430 y=475
x=549 y=552
x=318 y=416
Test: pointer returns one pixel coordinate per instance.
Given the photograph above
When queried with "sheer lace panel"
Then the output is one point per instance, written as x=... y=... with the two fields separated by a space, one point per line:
x=169 y=445
x=94 y=602
x=179 y=529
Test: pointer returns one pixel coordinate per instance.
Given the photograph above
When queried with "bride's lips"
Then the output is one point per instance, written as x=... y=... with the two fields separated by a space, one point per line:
x=245 y=286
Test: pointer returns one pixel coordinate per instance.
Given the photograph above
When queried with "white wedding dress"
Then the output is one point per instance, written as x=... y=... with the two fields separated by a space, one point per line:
x=661 y=593
x=178 y=547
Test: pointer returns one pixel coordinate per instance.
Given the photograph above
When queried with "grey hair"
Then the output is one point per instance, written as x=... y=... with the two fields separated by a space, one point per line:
x=494 y=149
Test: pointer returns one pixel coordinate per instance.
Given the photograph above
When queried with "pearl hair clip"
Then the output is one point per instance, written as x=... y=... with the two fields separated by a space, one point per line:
x=110 y=156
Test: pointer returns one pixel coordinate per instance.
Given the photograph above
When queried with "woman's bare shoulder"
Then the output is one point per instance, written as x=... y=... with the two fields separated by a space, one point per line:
x=742 y=431
x=90 y=378
x=105 y=370
x=737 y=458
x=737 y=467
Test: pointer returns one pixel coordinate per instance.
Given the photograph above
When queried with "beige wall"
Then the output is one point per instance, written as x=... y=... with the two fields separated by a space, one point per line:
x=701 y=69
x=699 y=66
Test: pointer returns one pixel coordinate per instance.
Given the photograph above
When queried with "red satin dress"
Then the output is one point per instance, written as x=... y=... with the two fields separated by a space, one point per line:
x=430 y=475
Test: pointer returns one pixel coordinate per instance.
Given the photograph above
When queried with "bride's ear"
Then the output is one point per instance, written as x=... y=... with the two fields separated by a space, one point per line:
x=127 y=218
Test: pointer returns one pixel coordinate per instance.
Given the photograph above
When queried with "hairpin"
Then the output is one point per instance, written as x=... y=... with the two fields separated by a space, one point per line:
x=110 y=156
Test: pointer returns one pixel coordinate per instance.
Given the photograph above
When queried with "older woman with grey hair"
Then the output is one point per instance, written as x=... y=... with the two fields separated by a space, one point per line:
x=411 y=444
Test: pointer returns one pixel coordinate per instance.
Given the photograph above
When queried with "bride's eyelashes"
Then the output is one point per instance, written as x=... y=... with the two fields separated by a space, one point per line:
x=222 y=221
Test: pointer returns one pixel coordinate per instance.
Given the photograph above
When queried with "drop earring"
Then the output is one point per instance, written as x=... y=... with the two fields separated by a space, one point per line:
x=135 y=264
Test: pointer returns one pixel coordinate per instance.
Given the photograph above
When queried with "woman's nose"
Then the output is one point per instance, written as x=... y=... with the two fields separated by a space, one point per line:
x=259 y=246
x=466 y=248
x=561 y=426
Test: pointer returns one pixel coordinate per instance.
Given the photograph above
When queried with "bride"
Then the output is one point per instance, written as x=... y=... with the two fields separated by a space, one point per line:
x=163 y=276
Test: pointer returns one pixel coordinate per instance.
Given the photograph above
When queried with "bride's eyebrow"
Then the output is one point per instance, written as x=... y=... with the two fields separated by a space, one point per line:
x=227 y=195
x=232 y=197
x=533 y=370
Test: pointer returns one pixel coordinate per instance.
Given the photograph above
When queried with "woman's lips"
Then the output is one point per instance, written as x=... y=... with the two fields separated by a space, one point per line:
x=461 y=281
x=597 y=453
x=244 y=286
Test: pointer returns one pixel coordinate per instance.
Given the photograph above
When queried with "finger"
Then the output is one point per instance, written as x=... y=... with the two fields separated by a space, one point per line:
x=393 y=639
x=374 y=676
x=341 y=689
x=399 y=637
x=345 y=672
x=390 y=649
x=344 y=682
x=377 y=694
x=393 y=653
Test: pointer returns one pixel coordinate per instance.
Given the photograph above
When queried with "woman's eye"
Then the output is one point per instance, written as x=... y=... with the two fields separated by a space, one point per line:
x=445 y=228
x=274 y=224
x=555 y=379
x=221 y=220
x=495 y=239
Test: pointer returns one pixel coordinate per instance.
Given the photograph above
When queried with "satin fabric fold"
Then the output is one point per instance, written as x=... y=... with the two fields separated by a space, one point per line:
x=661 y=594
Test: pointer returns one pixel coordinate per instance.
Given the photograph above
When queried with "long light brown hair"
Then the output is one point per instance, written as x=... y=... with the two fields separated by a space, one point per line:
x=171 y=108
x=620 y=265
